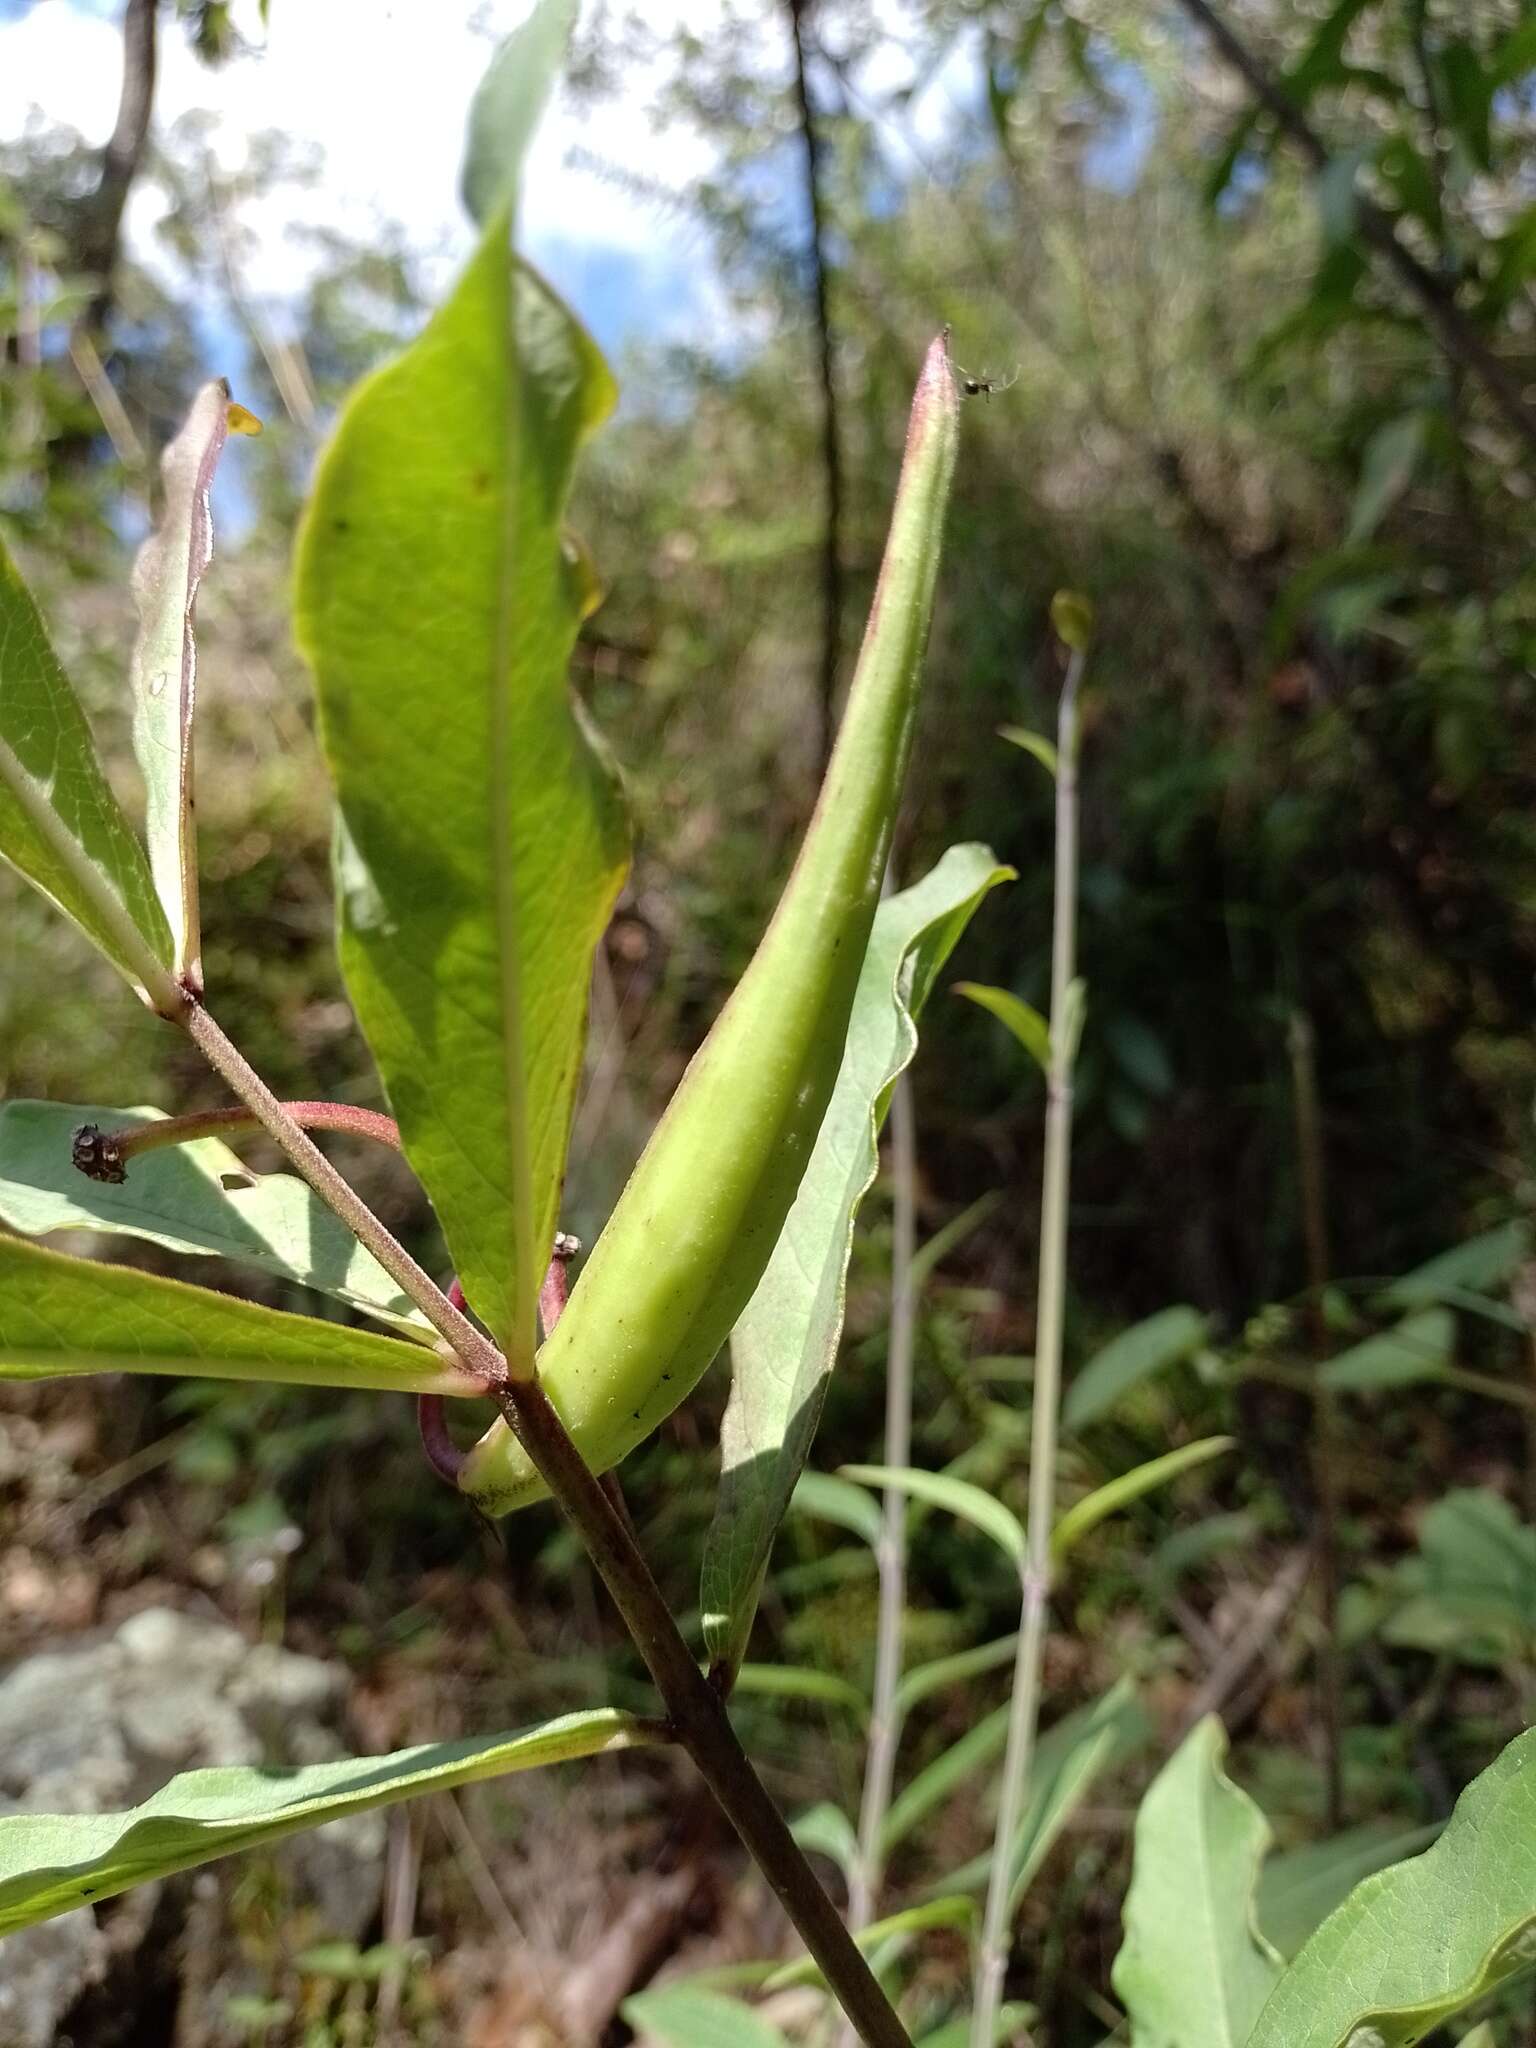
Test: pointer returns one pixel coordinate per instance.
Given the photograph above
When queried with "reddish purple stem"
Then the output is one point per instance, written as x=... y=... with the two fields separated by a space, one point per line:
x=443 y=1454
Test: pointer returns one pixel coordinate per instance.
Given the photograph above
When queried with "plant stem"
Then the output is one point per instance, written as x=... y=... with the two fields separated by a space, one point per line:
x=891 y=1552
x=1024 y=1713
x=476 y=1353
x=100 y=1155
x=697 y=1713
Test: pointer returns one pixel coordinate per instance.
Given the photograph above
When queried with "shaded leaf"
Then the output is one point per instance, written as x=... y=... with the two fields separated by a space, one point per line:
x=1147 y=1348
x=957 y=1496
x=895 y=1927
x=785 y=1344
x=1033 y=743
x=481 y=840
x=1482 y=1263
x=1198 y=1847
x=1470 y=1593
x=1118 y=1493
x=801 y=1682
x=51 y=1863
x=60 y=824
x=60 y=1317
x=1391 y=457
x=825 y=1830
x=1021 y=1018
x=956 y=2033
x=832 y=1499
x=689 y=2016
x=509 y=105
x=198 y=1198
x=1419 y=1942
x=923 y=1680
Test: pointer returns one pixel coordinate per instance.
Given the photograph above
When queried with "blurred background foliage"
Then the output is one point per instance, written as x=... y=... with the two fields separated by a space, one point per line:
x=1268 y=450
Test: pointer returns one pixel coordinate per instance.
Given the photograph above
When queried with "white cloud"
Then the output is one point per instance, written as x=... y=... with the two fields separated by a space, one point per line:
x=382 y=89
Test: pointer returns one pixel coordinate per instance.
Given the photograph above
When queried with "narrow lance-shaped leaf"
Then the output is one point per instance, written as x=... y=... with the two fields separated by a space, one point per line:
x=1194 y=1970
x=199 y=1198
x=694 y=1229
x=785 y=1344
x=61 y=1317
x=166 y=577
x=1414 y=1945
x=60 y=824
x=50 y=1863
x=482 y=841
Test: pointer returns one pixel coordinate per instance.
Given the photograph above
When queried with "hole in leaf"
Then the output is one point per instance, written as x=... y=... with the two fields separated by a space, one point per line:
x=233 y=1182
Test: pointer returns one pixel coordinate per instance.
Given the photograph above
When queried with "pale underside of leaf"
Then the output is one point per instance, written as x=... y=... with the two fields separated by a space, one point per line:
x=166 y=576
x=1194 y=1970
x=198 y=1198
x=785 y=1343
x=52 y=1863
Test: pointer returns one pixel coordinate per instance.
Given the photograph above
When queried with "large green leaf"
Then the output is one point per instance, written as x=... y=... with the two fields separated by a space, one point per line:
x=1300 y=1887
x=59 y=821
x=199 y=1198
x=785 y=1344
x=166 y=576
x=1194 y=1971
x=1414 y=1944
x=51 y=1863
x=1138 y=1353
x=482 y=841
x=60 y=1317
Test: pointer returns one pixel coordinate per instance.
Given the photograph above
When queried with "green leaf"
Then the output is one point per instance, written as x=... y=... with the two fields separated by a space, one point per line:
x=801 y=1682
x=60 y=824
x=1149 y=1347
x=1468 y=92
x=509 y=105
x=1470 y=1593
x=1391 y=457
x=1033 y=743
x=1481 y=1264
x=1106 y=1500
x=825 y=1830
x=940 y=1779
x=166 y=576
x=1194 y=1971
x=1021 y=1018
x=1299 y=1888
x=957 y=1496
x=785 y=1344
x=481 y=841
x=198 y=1198
x=1420 y=1348
x=1419 y=1942
x=688 y=2016
x=832 y=1499
x=1067 y=1761
x=933 y=1251
x=923 y=1680
x=947 y=1912
x=1011 y=2023
x=51 y=1863
x=1072 y=619
x=60 y=1317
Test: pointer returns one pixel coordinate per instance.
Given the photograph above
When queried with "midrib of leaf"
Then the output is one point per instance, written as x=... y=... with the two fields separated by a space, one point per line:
x=519 y=1338
x=50 y=826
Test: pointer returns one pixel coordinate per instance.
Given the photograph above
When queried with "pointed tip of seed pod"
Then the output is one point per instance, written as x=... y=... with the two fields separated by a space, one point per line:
x=937 y=398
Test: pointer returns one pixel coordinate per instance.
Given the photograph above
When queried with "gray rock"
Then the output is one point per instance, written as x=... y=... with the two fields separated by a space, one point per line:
x=103 y=1723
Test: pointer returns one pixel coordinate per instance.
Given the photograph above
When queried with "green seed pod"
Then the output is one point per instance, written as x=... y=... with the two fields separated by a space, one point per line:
x=694 y=1228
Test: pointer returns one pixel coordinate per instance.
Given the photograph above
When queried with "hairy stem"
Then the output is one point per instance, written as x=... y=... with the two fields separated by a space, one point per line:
x=1024 y=1709
x=696 y=1712
x=891 y=1554
x=102 y=1155
x=476 y=1353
